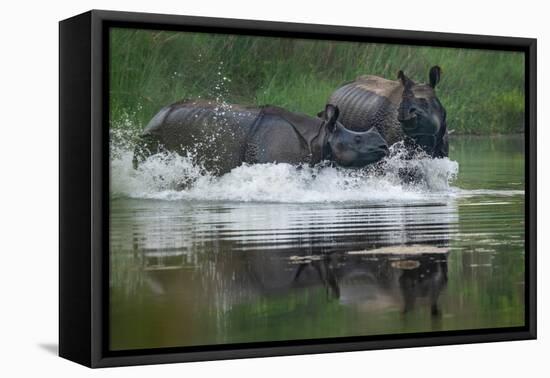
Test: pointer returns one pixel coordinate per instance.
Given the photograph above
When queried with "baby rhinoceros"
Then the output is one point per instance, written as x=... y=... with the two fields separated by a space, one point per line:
x=221 y=137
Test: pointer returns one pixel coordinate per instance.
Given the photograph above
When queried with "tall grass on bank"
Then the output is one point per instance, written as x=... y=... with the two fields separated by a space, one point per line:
x=482 y=90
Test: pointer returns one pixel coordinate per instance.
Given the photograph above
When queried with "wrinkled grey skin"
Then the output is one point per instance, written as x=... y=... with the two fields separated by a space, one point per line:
x=222 y=137
x=400 y=110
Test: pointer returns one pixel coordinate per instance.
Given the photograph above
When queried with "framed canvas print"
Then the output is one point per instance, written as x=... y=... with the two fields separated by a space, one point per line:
x=234 y=188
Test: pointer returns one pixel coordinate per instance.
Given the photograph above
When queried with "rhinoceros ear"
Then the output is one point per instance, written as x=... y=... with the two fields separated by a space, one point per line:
x=405 y=81
x=401 y=76
x=435 y=76
x=331 y=114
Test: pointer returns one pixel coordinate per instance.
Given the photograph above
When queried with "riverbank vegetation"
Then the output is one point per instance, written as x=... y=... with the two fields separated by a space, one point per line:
x=482 y=90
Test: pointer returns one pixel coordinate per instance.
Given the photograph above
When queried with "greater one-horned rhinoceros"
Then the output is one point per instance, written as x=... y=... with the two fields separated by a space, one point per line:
x=400 y=110
x=222 y=137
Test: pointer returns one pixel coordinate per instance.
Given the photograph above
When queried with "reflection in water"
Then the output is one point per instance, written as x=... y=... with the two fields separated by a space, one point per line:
x=373 y=279
x=196 y=273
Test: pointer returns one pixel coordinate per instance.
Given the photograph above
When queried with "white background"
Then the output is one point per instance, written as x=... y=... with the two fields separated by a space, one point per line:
x=29 y=186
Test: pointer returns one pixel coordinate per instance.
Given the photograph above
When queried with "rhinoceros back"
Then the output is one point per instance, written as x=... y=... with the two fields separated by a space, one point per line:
x=213 y=134
x=281 y=136
x=370 y=101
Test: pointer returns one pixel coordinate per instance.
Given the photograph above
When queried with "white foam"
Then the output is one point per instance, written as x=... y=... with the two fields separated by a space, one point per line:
x=173 y=177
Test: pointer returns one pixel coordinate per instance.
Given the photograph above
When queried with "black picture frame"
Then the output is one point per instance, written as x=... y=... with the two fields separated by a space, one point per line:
x=84 y=187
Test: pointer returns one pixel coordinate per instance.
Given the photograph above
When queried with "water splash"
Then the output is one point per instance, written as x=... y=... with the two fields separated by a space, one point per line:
x=174 y=177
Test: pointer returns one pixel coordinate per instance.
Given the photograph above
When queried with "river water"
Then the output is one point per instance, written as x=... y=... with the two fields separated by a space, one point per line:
x=270 y=253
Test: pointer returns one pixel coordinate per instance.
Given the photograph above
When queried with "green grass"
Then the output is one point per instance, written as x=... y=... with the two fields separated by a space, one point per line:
x=482 y=90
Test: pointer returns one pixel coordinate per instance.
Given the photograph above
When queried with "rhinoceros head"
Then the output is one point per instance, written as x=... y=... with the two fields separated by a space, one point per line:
x=349 y=148
x=420 y=113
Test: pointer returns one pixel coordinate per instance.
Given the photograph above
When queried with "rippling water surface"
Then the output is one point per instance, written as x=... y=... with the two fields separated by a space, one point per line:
x=273 y=253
